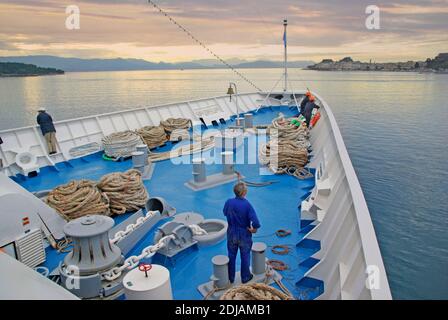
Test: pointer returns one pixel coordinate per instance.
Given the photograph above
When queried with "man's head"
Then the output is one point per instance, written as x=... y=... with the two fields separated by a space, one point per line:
x=240 y=190
x=41 y=109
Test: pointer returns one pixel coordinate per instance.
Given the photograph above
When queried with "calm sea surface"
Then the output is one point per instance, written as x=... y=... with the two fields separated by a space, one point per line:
x=395 y=126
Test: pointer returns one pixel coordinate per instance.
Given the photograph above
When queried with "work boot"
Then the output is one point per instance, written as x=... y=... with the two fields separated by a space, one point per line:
x=250 y=278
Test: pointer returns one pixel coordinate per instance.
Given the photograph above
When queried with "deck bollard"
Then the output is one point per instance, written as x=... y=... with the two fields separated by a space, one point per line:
x=138 y=160
x=199 y=170
x=220 y=275
x=227 y=162
x=248 y=120
x=144 y=148
x=259 y=257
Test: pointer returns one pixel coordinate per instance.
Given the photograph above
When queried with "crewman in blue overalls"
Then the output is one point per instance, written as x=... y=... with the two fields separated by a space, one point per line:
x=243 y=222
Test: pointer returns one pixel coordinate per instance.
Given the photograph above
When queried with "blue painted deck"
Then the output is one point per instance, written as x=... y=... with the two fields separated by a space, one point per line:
x=277 y=207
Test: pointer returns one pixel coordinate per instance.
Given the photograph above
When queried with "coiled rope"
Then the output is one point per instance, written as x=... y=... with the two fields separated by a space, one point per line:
x=283 y=128
x=284 y=156
x=254 y=291
x=125 y=191
x=287 y=151
x=187 y=149
x=78 y=198
x=277 y=265
x=153 y=136
x=121 y=144
x=172 y=124
x=280 y=249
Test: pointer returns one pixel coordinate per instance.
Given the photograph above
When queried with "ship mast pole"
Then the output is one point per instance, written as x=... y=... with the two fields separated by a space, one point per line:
x=285 y=24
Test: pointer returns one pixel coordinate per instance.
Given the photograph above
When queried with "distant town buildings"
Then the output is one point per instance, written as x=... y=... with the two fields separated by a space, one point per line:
x=438 y=64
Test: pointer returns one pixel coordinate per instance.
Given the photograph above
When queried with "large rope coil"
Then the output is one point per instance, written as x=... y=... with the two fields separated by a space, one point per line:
x=153 y=136
x=254 y=291
x=125 y=191
x=287 y=150
x=121 y=144
x=284 y=156
x=78 y=198
x=172 y=124
x=287 y=129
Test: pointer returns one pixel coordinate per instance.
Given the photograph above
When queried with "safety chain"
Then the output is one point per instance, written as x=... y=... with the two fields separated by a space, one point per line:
x=203 y=45
x=131 y=227
x=133 y=261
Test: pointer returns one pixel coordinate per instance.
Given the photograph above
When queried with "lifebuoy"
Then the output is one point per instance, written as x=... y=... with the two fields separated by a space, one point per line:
x=315 y=119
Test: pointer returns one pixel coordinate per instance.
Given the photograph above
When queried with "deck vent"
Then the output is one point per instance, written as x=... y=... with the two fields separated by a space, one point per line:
x=215 y=123
x=30 y=248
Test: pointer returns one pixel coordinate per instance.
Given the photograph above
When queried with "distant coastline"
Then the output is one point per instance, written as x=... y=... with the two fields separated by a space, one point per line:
x=14 y=69
x=119 y=64
x=437 y=65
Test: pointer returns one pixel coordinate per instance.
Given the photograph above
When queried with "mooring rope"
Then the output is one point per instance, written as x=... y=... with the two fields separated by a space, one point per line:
x=116 y=193
x=78 y=198
x=172 y=124
x=287 y=150
x=121 y=144
x=125 y=191
x=153 y=136
x=203 y=45
x=187 y=149
x=254 y=291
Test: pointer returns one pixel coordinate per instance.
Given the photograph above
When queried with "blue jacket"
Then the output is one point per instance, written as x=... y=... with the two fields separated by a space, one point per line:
x=240 y=215
x=45 y=122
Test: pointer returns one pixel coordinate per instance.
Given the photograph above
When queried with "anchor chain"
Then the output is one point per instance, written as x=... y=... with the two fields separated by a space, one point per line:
x=133 y=261
x=120 y=235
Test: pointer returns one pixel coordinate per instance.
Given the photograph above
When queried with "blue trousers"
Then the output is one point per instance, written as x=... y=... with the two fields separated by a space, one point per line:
x=245 y=246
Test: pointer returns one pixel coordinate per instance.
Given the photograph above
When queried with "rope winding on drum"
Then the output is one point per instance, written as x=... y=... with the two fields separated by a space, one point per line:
x=78 y=198
x=125 y=191
x=254 y=291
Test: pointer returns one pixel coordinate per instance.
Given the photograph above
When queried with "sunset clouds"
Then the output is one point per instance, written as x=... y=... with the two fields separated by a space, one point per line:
x=249 y=29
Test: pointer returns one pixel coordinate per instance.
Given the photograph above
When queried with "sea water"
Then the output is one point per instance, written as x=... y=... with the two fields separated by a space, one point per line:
x=395 y=127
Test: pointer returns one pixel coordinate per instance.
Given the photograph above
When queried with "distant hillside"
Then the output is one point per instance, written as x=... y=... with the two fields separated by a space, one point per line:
x=76 y=64
x=13 y=69
x=438 y=64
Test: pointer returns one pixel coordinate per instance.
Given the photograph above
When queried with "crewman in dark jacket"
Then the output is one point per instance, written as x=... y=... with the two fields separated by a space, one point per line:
x=48 y=131
x=303 y=103
x=308 y=112
x=242 y=223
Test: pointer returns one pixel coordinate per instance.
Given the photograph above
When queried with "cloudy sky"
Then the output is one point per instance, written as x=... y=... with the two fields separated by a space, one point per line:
x=245 y=29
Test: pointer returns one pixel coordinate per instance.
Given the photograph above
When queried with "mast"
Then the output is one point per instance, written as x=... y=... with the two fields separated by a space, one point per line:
x=285 y=24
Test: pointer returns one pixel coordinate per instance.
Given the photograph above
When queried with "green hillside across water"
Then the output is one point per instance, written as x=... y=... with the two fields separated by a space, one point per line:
x=13 y=69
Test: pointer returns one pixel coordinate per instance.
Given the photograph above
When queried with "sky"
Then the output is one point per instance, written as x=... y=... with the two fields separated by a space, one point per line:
x=243 y=29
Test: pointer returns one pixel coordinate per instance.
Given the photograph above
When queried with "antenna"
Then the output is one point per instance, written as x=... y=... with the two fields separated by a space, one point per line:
x=285 y=24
